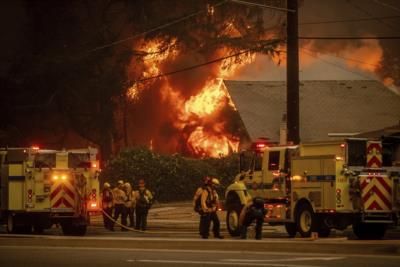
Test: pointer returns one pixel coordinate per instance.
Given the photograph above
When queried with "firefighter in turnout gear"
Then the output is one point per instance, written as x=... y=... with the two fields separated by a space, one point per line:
x=130 y=203
x=144 y=200
x=253 y=211
x=119 y=204
x=107 y=204
x=209 y=206
x=197 y=198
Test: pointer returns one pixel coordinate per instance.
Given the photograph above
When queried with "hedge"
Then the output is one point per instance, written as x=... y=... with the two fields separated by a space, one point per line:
x=170 y=177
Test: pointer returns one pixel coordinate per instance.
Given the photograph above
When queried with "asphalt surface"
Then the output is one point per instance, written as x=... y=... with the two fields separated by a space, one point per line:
x=23 y=256
x=172 y=240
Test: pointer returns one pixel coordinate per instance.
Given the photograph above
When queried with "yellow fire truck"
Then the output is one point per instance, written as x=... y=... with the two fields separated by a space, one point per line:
x=41 y=187
x=321 y=186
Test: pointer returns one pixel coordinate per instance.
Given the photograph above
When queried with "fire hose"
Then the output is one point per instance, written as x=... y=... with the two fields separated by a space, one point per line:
x=124 y=226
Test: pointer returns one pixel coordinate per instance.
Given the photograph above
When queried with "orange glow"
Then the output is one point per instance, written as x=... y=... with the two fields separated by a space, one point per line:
x=211 y=145
x=388 y=81
x=370 y=53
x=207 y=101
x=197 y=117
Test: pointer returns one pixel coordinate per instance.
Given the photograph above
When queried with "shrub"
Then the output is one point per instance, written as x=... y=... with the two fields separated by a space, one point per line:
x=170 y=177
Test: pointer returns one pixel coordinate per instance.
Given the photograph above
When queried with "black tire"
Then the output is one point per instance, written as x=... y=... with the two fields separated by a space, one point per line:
x=232 y=219
x=15 y=226
x=38 y=229
x=80 y=230
x=291 y=229
x=66 y=228
x=11 y=226
x=369 y=231
x=306 y=220
x=324 y=232
x=72 y=229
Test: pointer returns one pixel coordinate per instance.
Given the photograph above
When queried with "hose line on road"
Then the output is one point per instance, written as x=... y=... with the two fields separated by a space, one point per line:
x=124 y=226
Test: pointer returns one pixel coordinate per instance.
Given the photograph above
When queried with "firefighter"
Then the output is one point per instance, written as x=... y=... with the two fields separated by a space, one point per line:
x=197 y=198
x=253 y=211
x=119 y=204
x=107 y=204
x=209 y=206
x=130 y=203
x=144 y=200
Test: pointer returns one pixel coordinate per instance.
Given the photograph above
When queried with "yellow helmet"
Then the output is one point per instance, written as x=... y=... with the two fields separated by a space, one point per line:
x=106 y=185
x=120 y=182
x=215 y=181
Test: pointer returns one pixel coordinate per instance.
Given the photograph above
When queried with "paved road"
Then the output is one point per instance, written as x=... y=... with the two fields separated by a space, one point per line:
x=22 y=256
x=172 y=240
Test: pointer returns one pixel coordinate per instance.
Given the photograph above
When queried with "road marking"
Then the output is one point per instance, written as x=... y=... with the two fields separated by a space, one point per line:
x=219 y=263
x=292 y=259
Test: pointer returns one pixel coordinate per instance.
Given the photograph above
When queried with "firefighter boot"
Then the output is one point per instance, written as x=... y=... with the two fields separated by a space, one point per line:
x=243 y=232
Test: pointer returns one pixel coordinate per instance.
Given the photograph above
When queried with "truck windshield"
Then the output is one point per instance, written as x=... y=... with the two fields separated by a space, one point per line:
x=79 y=160
x=45 y=160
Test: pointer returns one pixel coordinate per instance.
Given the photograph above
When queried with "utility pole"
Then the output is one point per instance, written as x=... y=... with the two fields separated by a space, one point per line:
x=292 y=74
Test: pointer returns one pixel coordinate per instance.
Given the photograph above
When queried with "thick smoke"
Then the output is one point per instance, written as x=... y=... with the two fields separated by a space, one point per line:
x=387 y=68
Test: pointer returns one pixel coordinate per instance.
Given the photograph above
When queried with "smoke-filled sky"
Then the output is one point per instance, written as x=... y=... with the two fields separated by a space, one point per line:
x=333 y=59
x=46 y=66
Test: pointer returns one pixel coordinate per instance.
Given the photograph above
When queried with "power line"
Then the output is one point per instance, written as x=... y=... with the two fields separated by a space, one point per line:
x=345 y=58
x=154 y=29
x=349 y=38
x=337 y=65
x=347 y=20
x=387 y=5
x=262 y=6
x=205 y=63
x=359 y=8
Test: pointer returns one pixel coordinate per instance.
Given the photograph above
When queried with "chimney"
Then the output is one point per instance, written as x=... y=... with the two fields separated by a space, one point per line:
x=283 y=131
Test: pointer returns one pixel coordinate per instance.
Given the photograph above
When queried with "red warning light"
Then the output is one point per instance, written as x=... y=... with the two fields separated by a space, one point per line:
x=35 y=147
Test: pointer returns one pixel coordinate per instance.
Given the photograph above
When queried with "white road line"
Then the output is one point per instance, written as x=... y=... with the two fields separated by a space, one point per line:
x=291 y=259
x=219 y=263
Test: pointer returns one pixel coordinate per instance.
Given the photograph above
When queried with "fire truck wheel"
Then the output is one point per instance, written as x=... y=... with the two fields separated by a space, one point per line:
x=306 y=220
x=11 y=228
x=291 y=229
x=370 y=231
x=73 y=229
x=324 y=232
x=38 y=229
x=232 y=219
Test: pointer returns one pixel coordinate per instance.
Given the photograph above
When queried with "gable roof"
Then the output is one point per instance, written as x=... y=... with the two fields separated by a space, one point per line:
x=325 y=107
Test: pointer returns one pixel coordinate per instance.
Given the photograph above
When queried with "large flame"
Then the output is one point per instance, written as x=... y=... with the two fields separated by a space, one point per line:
x=195 y=116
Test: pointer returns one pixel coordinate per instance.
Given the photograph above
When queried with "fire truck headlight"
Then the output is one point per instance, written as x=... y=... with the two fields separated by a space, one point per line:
x=64 y=177
x=55 y=177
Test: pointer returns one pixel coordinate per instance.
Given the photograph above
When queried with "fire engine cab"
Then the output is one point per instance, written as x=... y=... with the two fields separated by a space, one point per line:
x=42 y=187
x=319 y=186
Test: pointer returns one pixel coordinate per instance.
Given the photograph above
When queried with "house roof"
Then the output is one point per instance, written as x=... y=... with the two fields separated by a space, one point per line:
x=353 y=106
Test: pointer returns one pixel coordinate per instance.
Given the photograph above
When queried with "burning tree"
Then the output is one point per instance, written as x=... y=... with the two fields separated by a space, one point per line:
x=176 y=99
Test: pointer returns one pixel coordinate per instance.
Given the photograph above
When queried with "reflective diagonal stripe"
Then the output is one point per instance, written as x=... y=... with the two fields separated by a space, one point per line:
x=376 y=192
x=62 y=195
x=374 y=162
x=55 y=192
